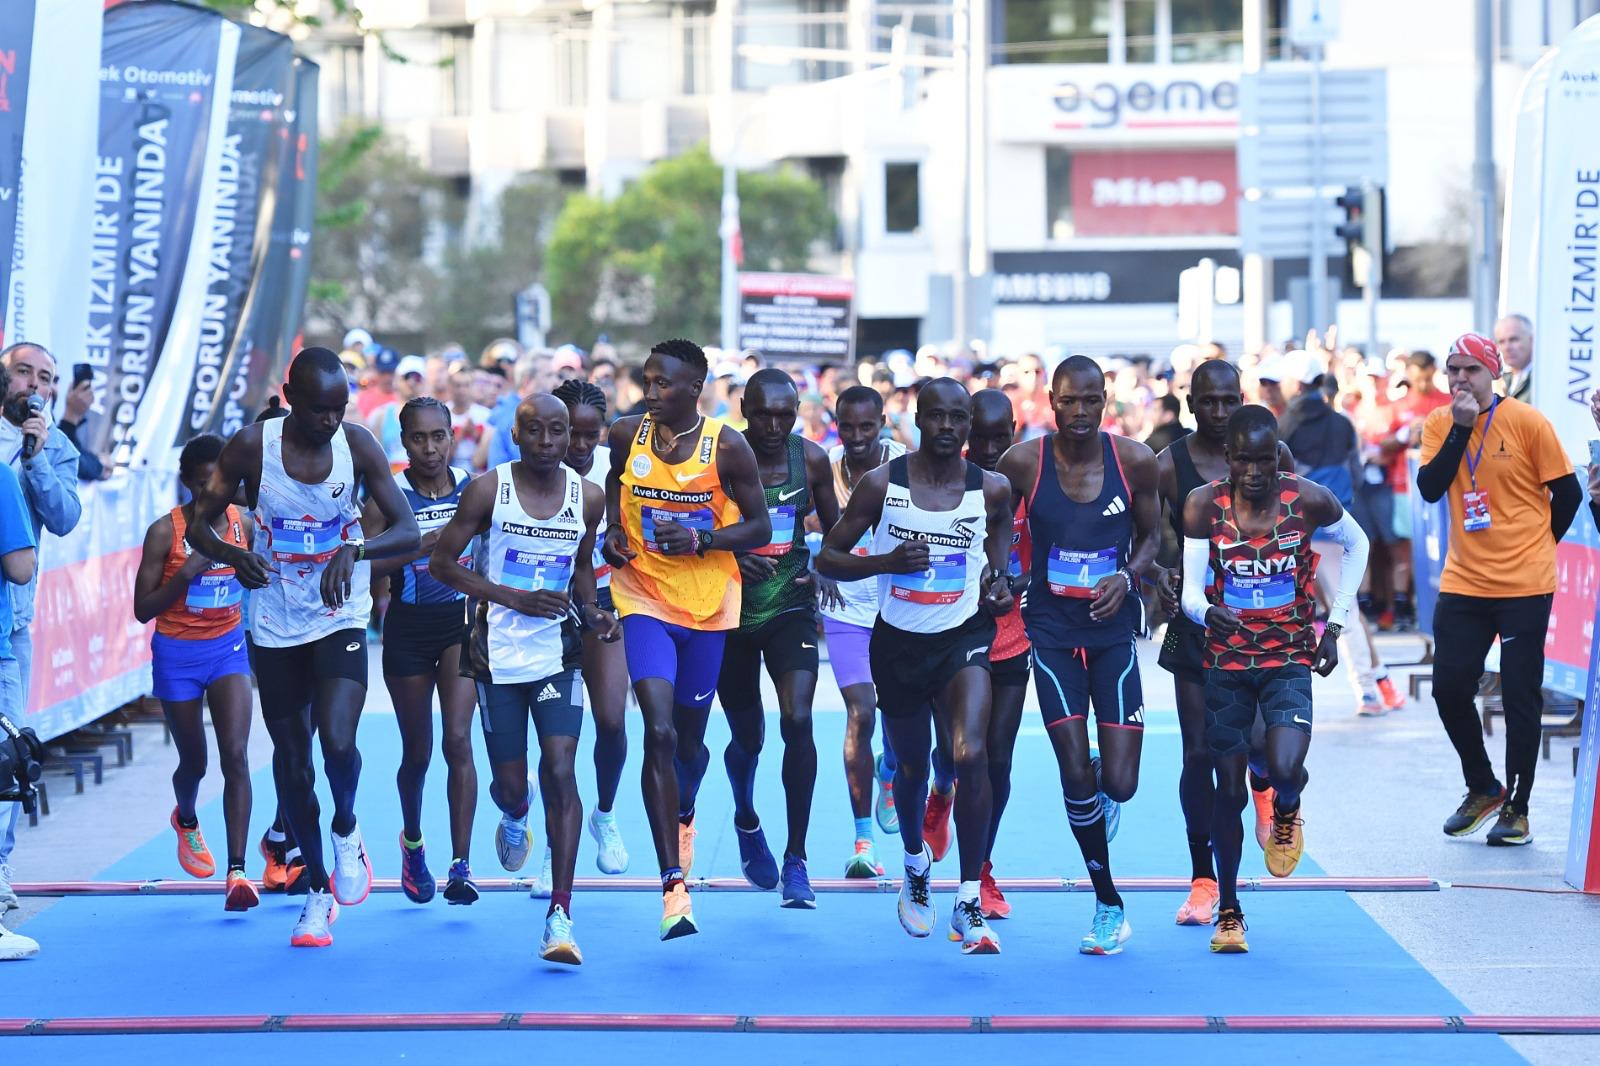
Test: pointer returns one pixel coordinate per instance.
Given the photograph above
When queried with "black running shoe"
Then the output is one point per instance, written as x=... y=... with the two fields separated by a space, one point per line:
x=298 y=884
x=1511 y=829
x=460 y=890
x=1475 y=809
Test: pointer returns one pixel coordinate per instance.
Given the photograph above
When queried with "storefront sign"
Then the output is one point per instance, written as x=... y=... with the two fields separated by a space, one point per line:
x=1083 y=103
x=1057 y=278
x=1185 y=193
x=805 y=316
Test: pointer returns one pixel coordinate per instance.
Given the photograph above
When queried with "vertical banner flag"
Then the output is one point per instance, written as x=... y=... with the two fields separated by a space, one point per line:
x=16 y=53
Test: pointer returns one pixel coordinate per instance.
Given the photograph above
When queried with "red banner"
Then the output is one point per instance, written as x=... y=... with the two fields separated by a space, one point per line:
x=1176 y=193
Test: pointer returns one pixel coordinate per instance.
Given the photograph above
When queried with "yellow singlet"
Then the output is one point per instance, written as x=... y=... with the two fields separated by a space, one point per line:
x=685 y=590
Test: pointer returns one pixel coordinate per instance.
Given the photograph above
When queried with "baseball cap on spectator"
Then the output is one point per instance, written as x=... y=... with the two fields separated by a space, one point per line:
x=1272 y=369
x=412 y=364
x=1303 y=366
x=385 y=361
x=353 y=361
x=567 y=357
x=358 y=336
x=453 y=354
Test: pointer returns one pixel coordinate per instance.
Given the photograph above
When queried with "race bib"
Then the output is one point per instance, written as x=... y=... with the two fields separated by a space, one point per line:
x=942 y=582
x=863 y=546
x=1475 y=511
x=782 y=531
x=1257 y=597
x=602 y=569
x=700 y=518
x=536 y=571
x=305 y=540
x=1076 y=573
x=1014 y=568
x=218 y=591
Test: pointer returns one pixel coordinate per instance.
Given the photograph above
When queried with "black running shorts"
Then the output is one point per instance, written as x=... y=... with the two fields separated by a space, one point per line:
x=1281 y=695
x=287 y=678
x=787 y=643
x=555 y=704
x=911 y=669
x=416 y=636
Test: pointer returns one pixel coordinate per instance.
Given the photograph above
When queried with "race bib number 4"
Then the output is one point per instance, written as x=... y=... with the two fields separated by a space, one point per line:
x=699 y=518
x=782 y=531
x=536 y=571
x=214 y=592
x=943 y=582
x=1076 y=573
x=305 y=540
x=1257 y=597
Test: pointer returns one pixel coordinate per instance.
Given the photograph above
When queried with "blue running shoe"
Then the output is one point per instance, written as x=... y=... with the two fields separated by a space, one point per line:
x=888 y=817
x=1108 y=806
x=415 y=879
x=1108 y=933
x=460 y=890
x=756 y=860
x=797 y=894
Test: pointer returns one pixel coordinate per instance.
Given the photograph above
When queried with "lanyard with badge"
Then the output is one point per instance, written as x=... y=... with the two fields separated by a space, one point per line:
x=1475 y=503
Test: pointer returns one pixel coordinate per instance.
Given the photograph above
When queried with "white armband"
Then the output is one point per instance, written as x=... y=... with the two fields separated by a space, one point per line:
x=1352 y=566
x=1196 y=562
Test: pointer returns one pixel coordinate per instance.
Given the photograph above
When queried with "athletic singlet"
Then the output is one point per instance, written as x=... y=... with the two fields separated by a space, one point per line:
x=1011 y=636
x=528 y=553
x=787 y=506
x=1075 y=546
x=696 y=592
x=945 y=595
x=299 y=527
x=1266 y=581
x=861 y=596
x=210 y=606
x=1188 y=478
x=412 y=583
x=599 y=466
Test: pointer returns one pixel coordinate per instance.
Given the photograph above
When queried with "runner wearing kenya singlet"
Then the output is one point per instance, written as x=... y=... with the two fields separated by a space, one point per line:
x=198 y=653
x=683 y=494
x=304 y=475
x=1251 y=534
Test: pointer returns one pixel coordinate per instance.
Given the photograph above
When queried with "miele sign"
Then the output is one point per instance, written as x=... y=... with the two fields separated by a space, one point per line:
x=1096 y=103
x=1154 y=193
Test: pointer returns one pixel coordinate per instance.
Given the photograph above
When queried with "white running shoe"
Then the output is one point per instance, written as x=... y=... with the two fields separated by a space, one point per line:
x=511 y=840
x=8 y=895
x=916 y=903
x=540 y=887
x=14 y=946
x=967 y=925
x=314 y=929
x=558 y=945
x=352 y=870
x=612 y=857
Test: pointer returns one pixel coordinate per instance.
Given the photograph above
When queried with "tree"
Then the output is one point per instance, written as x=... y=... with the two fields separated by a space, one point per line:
x=647 y=264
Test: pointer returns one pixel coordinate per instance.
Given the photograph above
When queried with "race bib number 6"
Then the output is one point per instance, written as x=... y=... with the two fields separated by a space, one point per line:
x=1255 y=597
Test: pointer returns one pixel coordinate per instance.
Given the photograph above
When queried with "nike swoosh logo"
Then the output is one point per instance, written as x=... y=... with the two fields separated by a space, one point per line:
x=1300 y=721
x=704 y=695
x=686 y=477
x=1224 y=545
x=239 y=646
x=803 y=646
x=790 y=495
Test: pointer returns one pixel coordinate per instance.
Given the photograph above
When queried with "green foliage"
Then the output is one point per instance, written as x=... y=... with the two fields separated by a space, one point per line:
x=647 y=264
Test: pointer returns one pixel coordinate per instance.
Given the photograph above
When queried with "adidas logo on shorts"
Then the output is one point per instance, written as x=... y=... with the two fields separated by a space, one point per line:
x=548 y=693
x=1115 y=507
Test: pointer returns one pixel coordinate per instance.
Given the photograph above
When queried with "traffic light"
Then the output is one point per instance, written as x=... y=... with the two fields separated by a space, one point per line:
x=1363 y=234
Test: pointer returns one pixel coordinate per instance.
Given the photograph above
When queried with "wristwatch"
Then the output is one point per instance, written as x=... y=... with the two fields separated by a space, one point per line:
x=702 y=542
x=1333 y=629
x=360 y=545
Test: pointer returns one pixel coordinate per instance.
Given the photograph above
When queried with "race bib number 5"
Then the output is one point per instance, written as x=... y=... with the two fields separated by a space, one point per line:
x=536 y=571
x=942 y=582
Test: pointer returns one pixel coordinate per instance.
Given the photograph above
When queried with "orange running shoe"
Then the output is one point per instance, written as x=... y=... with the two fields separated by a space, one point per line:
x=1392 y=700
x=686 y=835
x=193 y=855
x=1287 y=843
x=242 y=894
x=1263 y=804
x=677 y=915
x=276 y=874
x=1201 y=906
x=936 y=822
x=990 y=900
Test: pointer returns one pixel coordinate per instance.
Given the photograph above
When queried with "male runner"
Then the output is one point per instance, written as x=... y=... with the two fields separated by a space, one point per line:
x=303 y=476
x=1094 y=526
x=940 y=547
x=422 y=634
x=1215 y=392
x=684 y=495
x=1248 y=571
x=847 y=624
x=605 y=665
x=540 y=517
x=778 y=622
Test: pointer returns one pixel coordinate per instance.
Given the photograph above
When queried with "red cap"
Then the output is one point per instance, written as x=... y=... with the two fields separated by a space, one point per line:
x=1477 y=346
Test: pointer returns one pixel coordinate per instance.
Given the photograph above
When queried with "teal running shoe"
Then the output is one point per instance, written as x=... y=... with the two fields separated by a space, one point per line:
x=1108 y=933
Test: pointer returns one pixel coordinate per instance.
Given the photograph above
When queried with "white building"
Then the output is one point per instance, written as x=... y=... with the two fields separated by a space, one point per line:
x=1110 y=128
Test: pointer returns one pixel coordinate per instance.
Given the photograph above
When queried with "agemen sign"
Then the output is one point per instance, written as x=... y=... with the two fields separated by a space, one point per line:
x=1085 y=103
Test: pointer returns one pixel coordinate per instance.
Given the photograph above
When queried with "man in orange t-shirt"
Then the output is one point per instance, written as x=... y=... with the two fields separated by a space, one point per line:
x=1512 y=495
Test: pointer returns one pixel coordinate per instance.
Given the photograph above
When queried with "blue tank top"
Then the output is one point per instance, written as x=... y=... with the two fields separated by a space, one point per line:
x=1075 y=545
x=412 y=584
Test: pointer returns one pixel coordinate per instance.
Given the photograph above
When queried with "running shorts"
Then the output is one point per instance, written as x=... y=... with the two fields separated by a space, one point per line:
x=1280 y=695
x=1183 y=650
x=690 y=660
x=847 y=652
x=1012 y=672
x=1071 y=680
x=287 y=678
x=555 y=704
x=182 y=670
x=416 y=636
x=911 y=669
x=787 y=642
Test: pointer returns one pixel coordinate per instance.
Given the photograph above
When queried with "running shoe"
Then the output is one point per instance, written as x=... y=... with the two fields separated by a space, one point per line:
x=916 y=903
x=1108 y=933
x=612 y=858
x=1371 y=707
x=755 y=858
x=193 y=855
x=460 y=890
x=14 y=946
x=1201 y=906
x=1229 y=937
x=967 y=925
x=1108 y=806
x=242 y=894
x=991 y=900
x=1475 y=809
x=1511 y=828
x=314 y=929
x=936 y=822
x=797 y=894
x=276 y=875
x=8 y=895
x=677 y=914
x=511 y=842
x=352 y=870
x=864 y=863
x=1392 y=700
x=540 y=887
x=415 y=879
x=686 y=835
x=1287 y=843
x=888 y=817
x=296 y=883
x=557 y=944
x=1263 y=804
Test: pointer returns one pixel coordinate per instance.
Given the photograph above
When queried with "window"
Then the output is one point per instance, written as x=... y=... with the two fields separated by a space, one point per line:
x=342 y=82
x=1126 y=31
x=902 y=197
x=1207 y=31
x=1139 y=30
x=1058 y=31
x=1058 y=193
x=788 y=24
x=455 y=71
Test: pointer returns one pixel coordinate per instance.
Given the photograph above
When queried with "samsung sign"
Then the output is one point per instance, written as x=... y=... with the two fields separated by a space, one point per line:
x=1084 y=104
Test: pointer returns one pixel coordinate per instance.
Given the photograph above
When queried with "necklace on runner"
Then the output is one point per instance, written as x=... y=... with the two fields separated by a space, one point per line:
x=676 y=437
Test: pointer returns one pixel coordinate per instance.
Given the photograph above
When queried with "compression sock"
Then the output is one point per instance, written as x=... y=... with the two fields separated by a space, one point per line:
x=1088 y=822
x=742 y=776
x=864 y=828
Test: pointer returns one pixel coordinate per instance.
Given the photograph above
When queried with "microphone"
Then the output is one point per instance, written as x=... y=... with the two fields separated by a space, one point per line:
x=30 y=441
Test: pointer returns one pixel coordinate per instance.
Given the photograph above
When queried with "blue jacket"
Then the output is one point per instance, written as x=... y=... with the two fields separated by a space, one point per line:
x=50 y=485
x=503 y=449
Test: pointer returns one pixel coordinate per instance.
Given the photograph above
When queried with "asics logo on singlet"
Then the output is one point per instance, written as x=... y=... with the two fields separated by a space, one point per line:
x=338 y=490
x=1115 y=507
x=548 y=693
x=790 y=495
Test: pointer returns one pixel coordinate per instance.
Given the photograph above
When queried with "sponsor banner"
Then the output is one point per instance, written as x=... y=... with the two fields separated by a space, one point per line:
x=1155 y=193
x=16 y=55
x=1085 y=103
x=1583 y=838
x=806 y=316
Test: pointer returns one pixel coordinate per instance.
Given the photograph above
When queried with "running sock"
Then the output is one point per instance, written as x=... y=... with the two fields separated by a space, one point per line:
x=275 y=835
x=1200 y=860
x=410 y=845
x=864 y=828
x=291 y=854
x=742 y=776
x=1088 y=822
x=886 y=765
x=189 y=823
x=672 y=875
x=235 y=864
x=968 y=890
x=604 y=816
x=918 y=863
x=562 y=900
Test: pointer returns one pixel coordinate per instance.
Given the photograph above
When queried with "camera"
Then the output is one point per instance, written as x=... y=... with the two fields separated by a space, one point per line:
x=20 y=757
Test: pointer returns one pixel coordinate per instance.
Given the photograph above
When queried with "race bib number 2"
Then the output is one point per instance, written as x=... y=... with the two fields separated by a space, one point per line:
x=942 y=582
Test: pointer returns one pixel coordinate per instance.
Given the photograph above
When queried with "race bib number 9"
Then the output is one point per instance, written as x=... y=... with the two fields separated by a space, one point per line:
x=305 y=540
x=536 y=571
x=1076 y=573
x=782 y=531
x=1258 y=597
x=943 y=582
x=211 y=592
x=699 y=518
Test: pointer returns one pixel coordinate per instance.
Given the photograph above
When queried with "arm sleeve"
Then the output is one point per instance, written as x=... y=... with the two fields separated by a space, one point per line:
x=1352 y=566
x=1196 y=561
x=1435 y=475
x=51 y=481
x=1565 y=495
